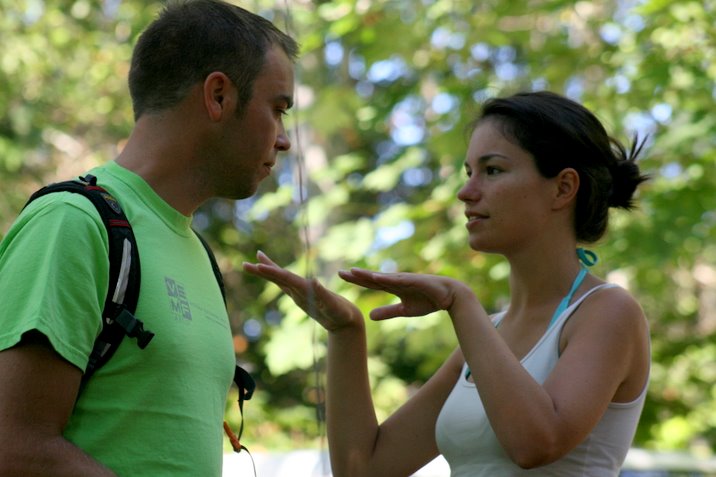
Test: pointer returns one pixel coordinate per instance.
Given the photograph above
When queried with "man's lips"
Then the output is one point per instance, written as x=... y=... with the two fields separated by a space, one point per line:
x=474 y=218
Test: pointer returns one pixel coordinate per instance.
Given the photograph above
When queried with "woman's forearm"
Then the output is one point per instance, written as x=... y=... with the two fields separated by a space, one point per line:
x=351 y=420
x=521 y=412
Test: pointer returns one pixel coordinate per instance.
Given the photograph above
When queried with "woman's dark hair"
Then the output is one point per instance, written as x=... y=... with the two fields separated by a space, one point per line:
x=191 y=39
x=560 y=133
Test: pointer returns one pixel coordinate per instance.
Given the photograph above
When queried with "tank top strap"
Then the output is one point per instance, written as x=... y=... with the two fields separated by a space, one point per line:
x=587 y=258
x=567 y=312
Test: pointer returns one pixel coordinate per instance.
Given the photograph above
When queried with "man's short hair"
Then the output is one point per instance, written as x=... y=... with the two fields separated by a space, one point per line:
x=191 y=39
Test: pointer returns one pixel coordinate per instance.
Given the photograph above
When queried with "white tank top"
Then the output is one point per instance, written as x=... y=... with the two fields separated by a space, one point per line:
x=467 y=441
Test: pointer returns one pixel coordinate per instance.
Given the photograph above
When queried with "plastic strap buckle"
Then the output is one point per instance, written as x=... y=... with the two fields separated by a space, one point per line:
x=134 y=328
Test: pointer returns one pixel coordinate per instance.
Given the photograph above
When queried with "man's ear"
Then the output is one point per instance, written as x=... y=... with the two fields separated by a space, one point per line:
x=566 y=187
x=219 y=95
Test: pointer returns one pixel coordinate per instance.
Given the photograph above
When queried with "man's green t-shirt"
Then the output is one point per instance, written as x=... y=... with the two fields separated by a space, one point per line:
x=152 y=412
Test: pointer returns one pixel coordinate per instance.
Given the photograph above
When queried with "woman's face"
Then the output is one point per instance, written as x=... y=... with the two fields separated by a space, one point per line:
x=507 y=202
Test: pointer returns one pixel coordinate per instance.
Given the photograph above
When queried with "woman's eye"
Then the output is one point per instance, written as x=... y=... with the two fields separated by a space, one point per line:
x=491 y=170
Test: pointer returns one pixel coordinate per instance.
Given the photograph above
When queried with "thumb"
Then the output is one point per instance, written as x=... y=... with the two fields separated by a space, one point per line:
x=387 y=312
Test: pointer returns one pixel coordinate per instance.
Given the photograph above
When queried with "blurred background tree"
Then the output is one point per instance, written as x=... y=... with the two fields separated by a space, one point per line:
x=386 y=90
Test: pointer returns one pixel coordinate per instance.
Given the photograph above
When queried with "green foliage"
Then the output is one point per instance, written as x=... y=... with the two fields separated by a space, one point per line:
x=387 y=90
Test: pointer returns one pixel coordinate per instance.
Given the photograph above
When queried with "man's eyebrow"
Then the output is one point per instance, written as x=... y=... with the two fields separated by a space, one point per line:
x=288 y=99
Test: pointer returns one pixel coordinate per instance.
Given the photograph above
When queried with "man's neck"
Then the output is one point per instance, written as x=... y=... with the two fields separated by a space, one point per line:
x=163 y=159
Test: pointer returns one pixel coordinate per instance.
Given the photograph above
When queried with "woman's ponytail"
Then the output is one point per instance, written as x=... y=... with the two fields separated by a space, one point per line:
x=625 y=174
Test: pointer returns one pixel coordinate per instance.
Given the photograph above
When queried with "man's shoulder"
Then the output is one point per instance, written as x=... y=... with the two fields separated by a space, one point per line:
x=60 y=202
x=65 y=209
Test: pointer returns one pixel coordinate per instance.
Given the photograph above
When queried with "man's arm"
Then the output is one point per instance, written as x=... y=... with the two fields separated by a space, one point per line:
x=37 y=394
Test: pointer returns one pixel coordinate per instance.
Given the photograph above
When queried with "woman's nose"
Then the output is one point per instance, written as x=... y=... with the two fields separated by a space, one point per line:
x=469 y=192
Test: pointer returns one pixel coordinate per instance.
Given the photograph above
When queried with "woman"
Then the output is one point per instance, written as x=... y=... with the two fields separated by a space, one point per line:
x=557 y=381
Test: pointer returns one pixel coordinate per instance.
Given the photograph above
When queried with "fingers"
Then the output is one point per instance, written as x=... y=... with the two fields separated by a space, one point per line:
x=256 y=268
x=269 y=270
x=300 y=289
x=395 y=283
x=263 y=258
x=331 y=310
x=387 y=312
x=363 y=278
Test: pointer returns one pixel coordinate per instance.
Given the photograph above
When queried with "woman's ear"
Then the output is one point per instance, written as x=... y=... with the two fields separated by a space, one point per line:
x=566 y=187
x=219 y=95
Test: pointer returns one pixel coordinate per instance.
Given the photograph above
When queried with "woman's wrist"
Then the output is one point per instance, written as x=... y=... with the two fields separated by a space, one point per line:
x=462 y=296
x=356 y=322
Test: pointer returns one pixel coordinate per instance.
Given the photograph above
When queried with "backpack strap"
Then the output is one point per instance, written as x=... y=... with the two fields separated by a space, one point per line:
x=214 y=266
x=243 y=380
x=118 y=317
x=124 y=272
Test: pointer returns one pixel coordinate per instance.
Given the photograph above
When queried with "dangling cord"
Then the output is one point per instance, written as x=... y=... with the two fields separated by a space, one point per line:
x=309 y=272
x=246 y=387
x=236 y=443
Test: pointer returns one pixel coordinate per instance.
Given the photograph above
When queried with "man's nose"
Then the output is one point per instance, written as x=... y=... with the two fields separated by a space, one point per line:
x=283 y=143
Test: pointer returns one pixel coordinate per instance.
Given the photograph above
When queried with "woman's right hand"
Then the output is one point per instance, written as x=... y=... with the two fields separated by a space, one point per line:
x=329 y=309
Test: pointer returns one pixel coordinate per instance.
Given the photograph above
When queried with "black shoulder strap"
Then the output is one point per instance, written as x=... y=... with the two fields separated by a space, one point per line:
x=118 y=317
x=243 y=380
x=214 y=265
x=124 y=272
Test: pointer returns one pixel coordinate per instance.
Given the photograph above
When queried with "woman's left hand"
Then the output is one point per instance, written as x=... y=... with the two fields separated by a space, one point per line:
x=419 y=294
x=329 y=309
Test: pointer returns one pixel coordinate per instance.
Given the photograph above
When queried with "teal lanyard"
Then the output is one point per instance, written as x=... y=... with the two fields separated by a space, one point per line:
x=587 y=258
x=568 y=297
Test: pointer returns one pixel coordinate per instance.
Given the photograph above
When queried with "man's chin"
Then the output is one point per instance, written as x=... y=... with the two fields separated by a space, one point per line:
x=237 y=194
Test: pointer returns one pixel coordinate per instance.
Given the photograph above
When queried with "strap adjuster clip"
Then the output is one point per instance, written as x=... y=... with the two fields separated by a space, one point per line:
x=134 y=328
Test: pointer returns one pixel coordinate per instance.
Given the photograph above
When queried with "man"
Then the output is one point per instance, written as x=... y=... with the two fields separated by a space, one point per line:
x=210 y=83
